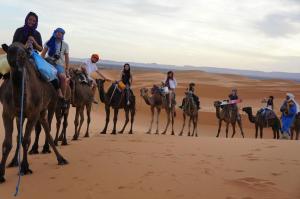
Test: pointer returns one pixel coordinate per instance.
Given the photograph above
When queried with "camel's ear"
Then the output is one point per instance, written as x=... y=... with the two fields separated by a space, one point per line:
x=5 y=47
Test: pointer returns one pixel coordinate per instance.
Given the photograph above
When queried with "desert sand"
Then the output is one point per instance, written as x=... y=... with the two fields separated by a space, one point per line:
x=151 y=166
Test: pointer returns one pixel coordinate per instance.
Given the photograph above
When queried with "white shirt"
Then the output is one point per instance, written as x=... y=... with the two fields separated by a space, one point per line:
x=90 y=66
x=62 y=48
x=172 y=83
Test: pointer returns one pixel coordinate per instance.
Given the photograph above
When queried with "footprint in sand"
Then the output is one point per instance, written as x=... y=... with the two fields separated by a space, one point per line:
x=53 y=178
x=247 y=198
x=271 y=146
x=254 y=183
x=275 y=174
x=239 y=171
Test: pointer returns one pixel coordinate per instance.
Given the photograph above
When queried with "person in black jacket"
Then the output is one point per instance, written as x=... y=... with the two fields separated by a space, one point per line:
x=28 y=35
x=126 y=78
x=195 y=97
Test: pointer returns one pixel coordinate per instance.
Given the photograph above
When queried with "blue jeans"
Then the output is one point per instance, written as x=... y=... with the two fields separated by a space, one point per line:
x=60 y=69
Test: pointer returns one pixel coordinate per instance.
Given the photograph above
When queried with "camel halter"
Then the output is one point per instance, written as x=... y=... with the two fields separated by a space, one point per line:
x=20 y=133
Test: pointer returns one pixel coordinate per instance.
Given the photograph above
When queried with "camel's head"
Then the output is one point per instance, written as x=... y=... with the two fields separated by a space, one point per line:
x=247 y=109
x=217 y=104
x=144 y=91
x=17 y=55
x=100 y=83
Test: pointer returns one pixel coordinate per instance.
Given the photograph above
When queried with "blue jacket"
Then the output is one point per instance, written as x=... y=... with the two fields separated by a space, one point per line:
x=287 y=120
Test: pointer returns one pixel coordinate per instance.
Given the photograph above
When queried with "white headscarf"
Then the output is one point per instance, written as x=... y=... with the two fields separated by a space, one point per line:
x=292 y=97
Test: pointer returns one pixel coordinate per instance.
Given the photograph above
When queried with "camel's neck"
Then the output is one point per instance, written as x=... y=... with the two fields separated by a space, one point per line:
x=251 y=117
x=102 y=93
x=147 y=99
x=218 y=112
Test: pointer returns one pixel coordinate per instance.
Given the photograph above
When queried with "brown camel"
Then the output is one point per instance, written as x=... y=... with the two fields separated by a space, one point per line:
x=82 y=97
x=155 y=102
x=190 y=109
x=39 y=95
x=261 y=122
x=229 y=114
x=117 y=100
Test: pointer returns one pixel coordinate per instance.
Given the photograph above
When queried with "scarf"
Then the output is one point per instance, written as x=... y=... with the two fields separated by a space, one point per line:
x=52 y=42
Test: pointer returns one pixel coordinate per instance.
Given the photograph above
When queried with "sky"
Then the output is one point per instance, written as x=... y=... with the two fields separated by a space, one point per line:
x=241 y=34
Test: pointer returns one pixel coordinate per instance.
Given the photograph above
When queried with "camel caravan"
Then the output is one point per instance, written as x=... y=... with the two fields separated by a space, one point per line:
x=36 y=87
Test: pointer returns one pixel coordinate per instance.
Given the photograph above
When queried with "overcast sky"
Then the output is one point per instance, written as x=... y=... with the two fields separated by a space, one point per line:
x=245 y=34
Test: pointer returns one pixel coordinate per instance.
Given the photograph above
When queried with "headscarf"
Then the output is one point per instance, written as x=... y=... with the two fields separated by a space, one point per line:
x=292 y=98
x=126 y=72
x=27 y=31
x=52 y=41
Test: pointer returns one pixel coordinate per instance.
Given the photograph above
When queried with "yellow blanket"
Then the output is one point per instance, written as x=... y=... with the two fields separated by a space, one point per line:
x=4 y=66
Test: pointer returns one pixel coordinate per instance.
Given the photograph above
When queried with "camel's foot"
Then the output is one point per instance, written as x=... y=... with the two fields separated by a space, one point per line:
x=103 y=132
x=130 y=132
x=148 y=132
x=56 y=142
x=75 y=137
x=87 y=135
x=2 y=179
x=189 y=134
x=13 y=163
x=164 y=133
x=25 y=169
x=64 y=143
x=34 y=150
x=156 y=133
x=46 y=150
x=114 y=132
x=121 y=132
x=60 y=138
x=62 y=161
x=180 y=134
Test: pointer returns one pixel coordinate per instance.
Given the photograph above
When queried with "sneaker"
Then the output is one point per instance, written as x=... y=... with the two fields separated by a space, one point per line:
x=285 y=136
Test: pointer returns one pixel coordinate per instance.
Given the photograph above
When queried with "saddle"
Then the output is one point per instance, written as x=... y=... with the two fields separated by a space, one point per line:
x=267 y=114
x=156 y=90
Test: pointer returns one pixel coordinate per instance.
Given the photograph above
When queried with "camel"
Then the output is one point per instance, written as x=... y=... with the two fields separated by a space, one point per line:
x=228 y=114
x=39 y=95
x=82 y=97
x=155 y=102
x=116 y=99
x=190 y=109
x=261 y=123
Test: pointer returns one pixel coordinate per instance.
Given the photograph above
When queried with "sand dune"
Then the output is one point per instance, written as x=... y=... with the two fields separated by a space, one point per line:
x=149 y=166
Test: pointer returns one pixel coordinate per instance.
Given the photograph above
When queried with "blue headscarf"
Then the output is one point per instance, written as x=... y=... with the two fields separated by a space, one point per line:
x=27 y=31
x=52 y=41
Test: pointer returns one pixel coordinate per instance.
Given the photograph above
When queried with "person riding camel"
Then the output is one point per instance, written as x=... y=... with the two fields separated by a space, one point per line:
x=126 y=78
x=58 y=55
x=233 y=100
x=269 y=102
x=89 y=69
x=289 y=110
x=28 y=35
x=171 y=84
x=191 y=89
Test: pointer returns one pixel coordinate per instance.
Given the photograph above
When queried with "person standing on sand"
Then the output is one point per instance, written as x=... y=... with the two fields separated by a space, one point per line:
x=289 y=110
x=171 y=84
x=28 y=35
x=58 y=55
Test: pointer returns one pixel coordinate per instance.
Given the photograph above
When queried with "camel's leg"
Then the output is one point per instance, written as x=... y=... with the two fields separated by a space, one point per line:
x=81 y=113
x=25 y=143
x=256 y=130
x=184 y=120
x=157 y=119
x=132 y=111
x=168 y=122
x=107 y=111
x=297 y=134
x=233 y=129
x=7 y=143
x=239 y=121
x=63 y=136
x=292 y=133
x=261 y=129
x=46 y=147
x=126 y=121
x=116 y=112
x=152 y=118
x=58 y=115
x=227 y=126
x=190 y=121
x=274 y=132
x=88 y=113
x=35 y=146
x=14 y=162
x=44 y=122
x=219 y=129
x=173 y=116
x=196 y=125
x=76 y=122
